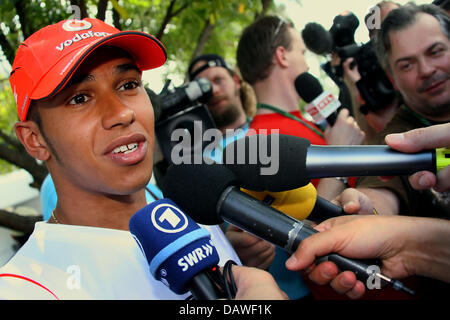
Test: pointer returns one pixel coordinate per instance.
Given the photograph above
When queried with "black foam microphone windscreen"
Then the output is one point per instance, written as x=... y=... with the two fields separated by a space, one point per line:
x=248 y=213
x=308 y=87
x=299 y=162
x=317 y=39
x=187 y=182
x=246 y=161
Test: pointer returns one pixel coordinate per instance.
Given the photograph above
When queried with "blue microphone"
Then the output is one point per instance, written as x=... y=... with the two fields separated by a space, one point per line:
x=179 y=252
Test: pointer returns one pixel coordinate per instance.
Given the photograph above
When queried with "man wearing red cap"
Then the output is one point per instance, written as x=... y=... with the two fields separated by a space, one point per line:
x=84 y=112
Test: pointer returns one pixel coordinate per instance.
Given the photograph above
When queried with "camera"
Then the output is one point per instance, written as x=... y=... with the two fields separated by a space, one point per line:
x=178 y=99
x=343 y=29
x=183 y=108
x=374 y=86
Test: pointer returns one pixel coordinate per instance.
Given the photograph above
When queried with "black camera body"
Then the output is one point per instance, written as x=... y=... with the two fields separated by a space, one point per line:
x=178 y=99
x=374 y=86
x=183 y=108
x=343 y=29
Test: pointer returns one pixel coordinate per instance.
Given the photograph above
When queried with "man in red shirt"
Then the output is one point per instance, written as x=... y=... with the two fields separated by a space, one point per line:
x=270 y=56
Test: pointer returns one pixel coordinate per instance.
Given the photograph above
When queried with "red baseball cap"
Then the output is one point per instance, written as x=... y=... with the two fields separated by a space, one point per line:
x=47 y=59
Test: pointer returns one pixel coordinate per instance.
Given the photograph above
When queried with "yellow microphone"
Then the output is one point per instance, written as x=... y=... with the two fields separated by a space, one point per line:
x=300 y=203
x=297 y=203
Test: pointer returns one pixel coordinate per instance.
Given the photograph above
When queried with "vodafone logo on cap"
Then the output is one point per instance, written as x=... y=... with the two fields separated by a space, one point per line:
x=76 y=25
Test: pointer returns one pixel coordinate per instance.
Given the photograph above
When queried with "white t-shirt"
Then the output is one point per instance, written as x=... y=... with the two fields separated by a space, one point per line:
x=76 y=262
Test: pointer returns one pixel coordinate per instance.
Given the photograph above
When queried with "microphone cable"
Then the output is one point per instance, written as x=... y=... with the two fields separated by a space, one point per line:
x=223 y=280
x=230 y=284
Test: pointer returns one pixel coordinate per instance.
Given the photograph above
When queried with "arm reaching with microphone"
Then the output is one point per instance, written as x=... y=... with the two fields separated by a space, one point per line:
x=253 y=251
x=420 y=139
x=353 y=201
x=345 y=131
x=255 y=284
x=384 y=200
x=342 y=128
x=405 y=245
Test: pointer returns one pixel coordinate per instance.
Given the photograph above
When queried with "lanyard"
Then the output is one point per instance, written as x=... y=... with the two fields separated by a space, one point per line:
x=151 y=193
x=290 y=116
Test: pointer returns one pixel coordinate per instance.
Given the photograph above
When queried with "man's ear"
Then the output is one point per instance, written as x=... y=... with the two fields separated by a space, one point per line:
x=280 y=56
x=237 y=81
x=31 y=138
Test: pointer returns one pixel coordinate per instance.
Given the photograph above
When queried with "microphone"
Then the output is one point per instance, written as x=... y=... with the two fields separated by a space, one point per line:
x=317 y=39
x=216 y=198
x=300 y=203
x=322 y=105
x=179 y=252
x=300 y=162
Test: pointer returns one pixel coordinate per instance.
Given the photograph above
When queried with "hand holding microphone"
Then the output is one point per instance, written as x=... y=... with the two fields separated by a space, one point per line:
x=301 y=203
x=342 y=129
x=216 y=199
x=299 y=162
x=405 y=245
x=253 y=251
x=180 y=254
x=256 y=284
x=353 y=201
x=322 y=105
x=425 y=138
x=345 y=131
